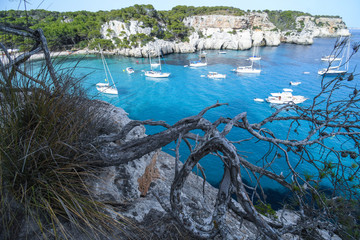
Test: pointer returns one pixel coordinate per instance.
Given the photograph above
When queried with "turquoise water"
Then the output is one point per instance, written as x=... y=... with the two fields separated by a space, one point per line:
x=186 y=92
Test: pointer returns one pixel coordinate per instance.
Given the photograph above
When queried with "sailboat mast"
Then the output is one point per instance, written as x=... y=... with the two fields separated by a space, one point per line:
x=150 y=62
x=106 y=67
x=112 y=80
x=103 y=61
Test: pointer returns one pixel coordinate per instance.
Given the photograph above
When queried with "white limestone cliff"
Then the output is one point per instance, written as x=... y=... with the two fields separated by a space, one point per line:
x=225 y=32
x=322 y=26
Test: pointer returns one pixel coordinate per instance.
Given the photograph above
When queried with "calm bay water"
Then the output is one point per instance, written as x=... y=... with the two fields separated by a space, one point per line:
x=186 y=92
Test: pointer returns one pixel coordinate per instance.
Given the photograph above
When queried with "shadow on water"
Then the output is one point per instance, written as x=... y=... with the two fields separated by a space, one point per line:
x=212 y=59
x=278 y=198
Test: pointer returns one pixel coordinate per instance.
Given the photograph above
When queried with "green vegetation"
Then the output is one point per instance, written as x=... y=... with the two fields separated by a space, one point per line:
x=79 y=29
x=265 y=209
x=66 y=30
x=347 y=213
x=62 y=30
x=284 y=20
x=105 y=44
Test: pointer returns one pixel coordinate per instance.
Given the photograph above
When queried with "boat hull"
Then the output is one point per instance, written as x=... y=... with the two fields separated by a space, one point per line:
x=221 y=76
x=254 y=58
x=201 y=64
x=105 y=88
x=244 y=70
x=215 y=75
x=130 y=70
x=294 y=99
x=156 y=74
x=330 y=59
x=331 y=72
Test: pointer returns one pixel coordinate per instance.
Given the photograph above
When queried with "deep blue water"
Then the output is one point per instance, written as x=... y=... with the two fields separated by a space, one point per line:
x=186 y=92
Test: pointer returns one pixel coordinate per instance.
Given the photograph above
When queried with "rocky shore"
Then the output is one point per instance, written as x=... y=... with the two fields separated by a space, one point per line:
x=142 y=188
x=226 y=32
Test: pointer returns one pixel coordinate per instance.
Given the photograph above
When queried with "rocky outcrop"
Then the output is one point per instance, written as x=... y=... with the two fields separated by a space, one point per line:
x=232 y=32
x=122 y=185
x=309 y=28
x=322 y=26
x=123 y=30
x=225 y=32
x=304 y=37
x=147 y=215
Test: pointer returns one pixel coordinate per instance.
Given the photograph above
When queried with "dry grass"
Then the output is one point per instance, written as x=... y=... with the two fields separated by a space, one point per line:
x=44 y=162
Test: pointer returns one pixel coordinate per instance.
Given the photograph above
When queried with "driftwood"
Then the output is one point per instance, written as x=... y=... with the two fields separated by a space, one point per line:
x=325 y=118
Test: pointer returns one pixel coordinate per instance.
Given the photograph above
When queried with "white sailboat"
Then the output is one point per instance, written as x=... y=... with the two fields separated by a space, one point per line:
x=248 y=69
x=106 y=87
x=156 y=74
x=199 y=63
x=255 y=55
x=335 y=70
x=332 y=71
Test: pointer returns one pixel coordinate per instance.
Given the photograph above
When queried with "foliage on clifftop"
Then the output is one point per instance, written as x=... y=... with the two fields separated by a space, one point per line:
x=285 y=20
x=78 y=29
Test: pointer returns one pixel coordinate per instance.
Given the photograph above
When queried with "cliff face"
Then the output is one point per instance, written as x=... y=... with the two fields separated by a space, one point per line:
x=323 y=26
x=230 y=23
x=226 y=32
x=123 y=30
x=232 y=32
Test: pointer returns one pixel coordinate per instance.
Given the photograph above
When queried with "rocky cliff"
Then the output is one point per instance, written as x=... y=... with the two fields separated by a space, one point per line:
x=142 y=189
x=225 y=32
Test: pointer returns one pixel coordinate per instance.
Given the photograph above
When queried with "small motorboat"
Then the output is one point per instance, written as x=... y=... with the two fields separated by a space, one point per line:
x=259 y=100
x=197 y=63
x=222 y=52
x=285 y=97
x=294 y=83
x=215 y=75
x=130 y=70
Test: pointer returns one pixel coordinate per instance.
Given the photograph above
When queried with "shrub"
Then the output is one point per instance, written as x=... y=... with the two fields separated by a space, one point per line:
x=104 y=43
x=265 y=209
x=45 y=162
